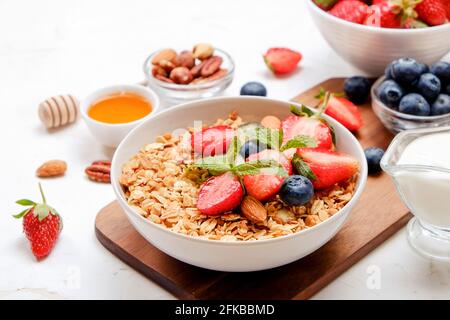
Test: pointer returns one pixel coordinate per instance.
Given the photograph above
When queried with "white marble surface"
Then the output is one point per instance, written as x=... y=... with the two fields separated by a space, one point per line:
x=53 y=47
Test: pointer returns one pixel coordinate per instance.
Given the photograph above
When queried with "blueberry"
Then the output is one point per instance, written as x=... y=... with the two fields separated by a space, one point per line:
x=388 y=70
x=406 y=71
x=296 y=190
x=390 y=93
x=429 y=86
x=424 y=68
x=253 y=89
x=415 y=104
x=357 y=89
x=373 y=157
x=447 y=90
x=442 y=70
x=441 y=105
x=251 y=147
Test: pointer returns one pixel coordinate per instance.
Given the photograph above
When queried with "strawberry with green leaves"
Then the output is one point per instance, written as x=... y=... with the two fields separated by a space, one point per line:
x=41 y=224
x=307 y=123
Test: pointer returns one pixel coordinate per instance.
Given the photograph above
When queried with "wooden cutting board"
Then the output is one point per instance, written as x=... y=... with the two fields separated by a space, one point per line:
x=377 y=216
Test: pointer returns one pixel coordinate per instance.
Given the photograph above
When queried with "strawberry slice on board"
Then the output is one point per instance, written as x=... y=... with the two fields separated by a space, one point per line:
x=345 y=112
x=282 y=60
x=220 y=194
x=262 y=186
x=213 y=140
x=326 y=168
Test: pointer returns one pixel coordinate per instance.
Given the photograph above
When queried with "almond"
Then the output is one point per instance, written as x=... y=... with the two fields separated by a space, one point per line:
x=271 y=122
x=253 y=210
x=158 y=70
x=211 y=66
x=52 y=168
x=167 y=65
x=165 y=54
x=203 y=51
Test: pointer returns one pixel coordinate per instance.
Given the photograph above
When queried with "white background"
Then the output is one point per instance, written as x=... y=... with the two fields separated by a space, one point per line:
x=56 y=47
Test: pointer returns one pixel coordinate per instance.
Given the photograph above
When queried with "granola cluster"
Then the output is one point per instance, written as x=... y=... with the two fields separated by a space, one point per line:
x=159 y=186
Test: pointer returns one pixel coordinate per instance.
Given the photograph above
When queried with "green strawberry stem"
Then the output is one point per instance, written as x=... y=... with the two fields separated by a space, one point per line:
x=42 y=194
x=323 y=104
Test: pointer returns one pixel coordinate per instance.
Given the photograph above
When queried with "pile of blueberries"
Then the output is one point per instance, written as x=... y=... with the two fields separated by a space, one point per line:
x=412 y=87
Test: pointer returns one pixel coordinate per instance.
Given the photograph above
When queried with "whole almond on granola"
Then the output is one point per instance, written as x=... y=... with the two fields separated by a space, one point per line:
x=253 y=210
x=52 y=168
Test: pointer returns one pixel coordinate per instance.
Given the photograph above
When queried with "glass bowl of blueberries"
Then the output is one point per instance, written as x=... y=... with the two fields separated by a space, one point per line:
x=412 y=95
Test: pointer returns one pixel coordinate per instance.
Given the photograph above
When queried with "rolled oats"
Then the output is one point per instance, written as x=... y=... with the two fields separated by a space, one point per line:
x=159 y=186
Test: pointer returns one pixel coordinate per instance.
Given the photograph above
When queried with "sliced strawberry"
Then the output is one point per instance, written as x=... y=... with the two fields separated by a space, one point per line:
x=212 y=141
x=282 y=60
x=262 y=186
x=447 y=8
x=220 y=194
x=345 y=112
x=329 y=167
x=432 y=12
x=350 y=10
x=293 y=126
x=384 y=14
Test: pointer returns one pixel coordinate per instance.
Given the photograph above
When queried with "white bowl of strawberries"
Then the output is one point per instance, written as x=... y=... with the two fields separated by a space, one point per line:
x=208 y=196
x=370 y=34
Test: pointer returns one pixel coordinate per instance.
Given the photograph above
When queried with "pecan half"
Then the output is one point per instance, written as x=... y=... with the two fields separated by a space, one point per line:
x=219 y=74
x=99 y=171
x=195 y=71
x=163 y=78
x=211 y=66
x=52 y=168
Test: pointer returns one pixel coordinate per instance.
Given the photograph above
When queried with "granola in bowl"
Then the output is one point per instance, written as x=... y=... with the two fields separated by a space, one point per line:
x=200 y=191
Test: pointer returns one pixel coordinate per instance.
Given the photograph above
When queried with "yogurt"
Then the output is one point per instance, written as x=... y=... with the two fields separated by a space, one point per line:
x=427 y=191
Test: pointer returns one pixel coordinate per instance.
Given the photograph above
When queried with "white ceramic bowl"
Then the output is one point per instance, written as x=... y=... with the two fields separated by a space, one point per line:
x=108 y=134
x=371 y=49
x=230 y=256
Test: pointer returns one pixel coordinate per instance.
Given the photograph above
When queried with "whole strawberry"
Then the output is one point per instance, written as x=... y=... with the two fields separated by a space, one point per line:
x=41 y=224
x=432 y=12
x=350 y=10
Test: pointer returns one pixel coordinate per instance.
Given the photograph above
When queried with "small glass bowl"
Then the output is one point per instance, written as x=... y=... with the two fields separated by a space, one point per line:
x=396 y=121
x=177 y=93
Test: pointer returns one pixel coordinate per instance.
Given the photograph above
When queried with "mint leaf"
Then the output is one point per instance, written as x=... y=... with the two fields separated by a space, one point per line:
x=26 y=202
x=270 y=137
x=300 y=141
x=302 y=111
x=215 y=165
x=260 y=166
x=303 y=168
x=20 y=215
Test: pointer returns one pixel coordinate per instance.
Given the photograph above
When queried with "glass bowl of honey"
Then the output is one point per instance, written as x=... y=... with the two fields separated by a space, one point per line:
x=111 y=112
x=173 y=93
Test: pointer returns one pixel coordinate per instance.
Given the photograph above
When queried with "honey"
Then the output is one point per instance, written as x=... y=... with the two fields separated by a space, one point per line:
x=121 y=107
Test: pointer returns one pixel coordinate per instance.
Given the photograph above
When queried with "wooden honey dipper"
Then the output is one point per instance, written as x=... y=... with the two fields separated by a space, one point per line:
x=59 y=111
